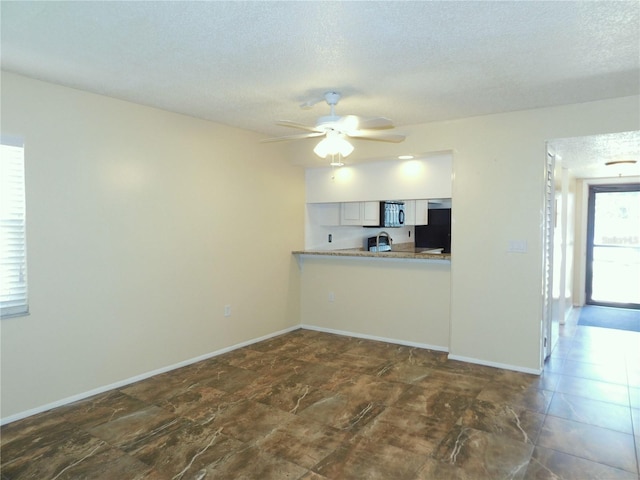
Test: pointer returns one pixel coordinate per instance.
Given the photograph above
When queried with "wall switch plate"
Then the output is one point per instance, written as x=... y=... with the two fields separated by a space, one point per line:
x=517 y=246
x=227 y=310
x=332 y=297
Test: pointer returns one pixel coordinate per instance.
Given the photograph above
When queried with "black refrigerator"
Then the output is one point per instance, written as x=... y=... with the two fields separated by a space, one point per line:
x=437 y=234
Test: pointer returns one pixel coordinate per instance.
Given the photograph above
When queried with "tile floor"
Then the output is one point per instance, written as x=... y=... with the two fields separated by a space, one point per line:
x=310 y=405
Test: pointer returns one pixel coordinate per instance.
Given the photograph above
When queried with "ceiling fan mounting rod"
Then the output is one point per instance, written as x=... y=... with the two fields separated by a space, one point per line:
x=332 y=99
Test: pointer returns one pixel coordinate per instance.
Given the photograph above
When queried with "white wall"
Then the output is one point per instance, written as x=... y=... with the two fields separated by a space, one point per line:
x=428 y=177
x=141 y=225
x=498 y=170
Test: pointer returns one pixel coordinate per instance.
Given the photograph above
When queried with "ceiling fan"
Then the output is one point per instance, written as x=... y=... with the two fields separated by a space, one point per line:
x=336 y=128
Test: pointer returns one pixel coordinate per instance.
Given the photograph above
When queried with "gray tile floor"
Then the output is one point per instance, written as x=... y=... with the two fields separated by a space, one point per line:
x=310 y=405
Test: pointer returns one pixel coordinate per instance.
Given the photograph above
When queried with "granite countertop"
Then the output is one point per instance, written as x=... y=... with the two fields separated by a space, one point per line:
x=407 y=251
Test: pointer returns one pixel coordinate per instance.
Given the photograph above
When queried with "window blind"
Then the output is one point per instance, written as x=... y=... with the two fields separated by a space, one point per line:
x=13 y=251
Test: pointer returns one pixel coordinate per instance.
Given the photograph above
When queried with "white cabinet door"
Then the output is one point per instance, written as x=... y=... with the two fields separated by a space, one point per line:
x=422 y=212
x=409 y=212
x=359 y=213
x=371 y=215
x=351 y=213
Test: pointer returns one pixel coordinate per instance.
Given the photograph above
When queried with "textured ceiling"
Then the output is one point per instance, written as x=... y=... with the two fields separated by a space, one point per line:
x=248 y=64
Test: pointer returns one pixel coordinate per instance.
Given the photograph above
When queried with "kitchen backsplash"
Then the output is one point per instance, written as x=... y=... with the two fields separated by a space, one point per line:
x=316 y=237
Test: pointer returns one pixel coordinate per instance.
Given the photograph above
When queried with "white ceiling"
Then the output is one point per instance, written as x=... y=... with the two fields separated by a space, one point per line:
x=248 y=64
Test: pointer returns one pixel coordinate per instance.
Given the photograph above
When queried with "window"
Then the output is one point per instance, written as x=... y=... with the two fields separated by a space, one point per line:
x=13 y=251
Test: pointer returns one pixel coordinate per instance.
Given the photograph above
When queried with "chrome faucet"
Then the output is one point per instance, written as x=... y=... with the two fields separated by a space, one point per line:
x=378 y=240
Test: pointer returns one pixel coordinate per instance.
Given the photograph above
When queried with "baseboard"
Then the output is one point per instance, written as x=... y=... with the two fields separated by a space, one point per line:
x=503 y=366
x=137 y=378
x=373 y=337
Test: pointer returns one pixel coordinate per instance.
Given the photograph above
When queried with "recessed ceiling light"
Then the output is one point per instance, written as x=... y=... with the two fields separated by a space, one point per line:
x=621 y=162
x=405 y=157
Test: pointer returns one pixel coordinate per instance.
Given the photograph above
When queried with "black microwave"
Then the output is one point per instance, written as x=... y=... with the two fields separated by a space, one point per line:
x=391 y=214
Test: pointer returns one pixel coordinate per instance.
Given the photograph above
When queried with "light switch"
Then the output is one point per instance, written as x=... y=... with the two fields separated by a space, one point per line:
x=517 y=246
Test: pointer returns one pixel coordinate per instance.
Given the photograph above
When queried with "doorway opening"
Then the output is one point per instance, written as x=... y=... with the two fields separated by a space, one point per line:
x=613 y=246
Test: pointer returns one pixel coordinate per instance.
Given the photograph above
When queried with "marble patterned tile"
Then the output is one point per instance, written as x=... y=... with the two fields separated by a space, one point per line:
x=521 y=425
x=517 y=398
x=410 y=431
x=442 y=404
x=31 y=427
x=251 y=421
x=457 y=383
x=185 y=452
x=485 y=454
x=436 y=470
x=50 y=452
x=137 y=427
x=270 y=365
x=342 y=413
x=547 y=464
x=302 y=441
x=317 y=375
x=368 y=388
x=377 y=349
x=200 y=403
x=589 y=442
x=340 y=358
x=592 y=412
x=372 y=460
x=317 y=406
x=290 y=396
x=108 y=464
x=526 y=381
x=252 y=463
x=102 y=408
x=403 y=372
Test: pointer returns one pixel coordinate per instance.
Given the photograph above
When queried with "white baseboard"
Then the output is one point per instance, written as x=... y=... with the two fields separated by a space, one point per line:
x=503 y=366
x=373 y=337
x=137 y=378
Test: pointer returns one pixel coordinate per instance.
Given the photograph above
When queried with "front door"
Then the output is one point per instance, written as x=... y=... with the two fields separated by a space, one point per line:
x=613 y=246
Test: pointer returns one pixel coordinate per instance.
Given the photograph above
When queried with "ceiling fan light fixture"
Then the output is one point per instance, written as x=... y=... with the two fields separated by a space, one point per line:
x=333 y=144
x=336 y=162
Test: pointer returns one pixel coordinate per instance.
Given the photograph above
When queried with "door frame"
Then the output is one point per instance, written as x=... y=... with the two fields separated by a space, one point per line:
x=593 y=190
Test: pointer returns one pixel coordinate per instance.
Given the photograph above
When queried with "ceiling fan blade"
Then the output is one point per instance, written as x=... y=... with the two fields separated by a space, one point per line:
x=287 y=123
x=380 y=136
x=298 y=136
x=354 y=122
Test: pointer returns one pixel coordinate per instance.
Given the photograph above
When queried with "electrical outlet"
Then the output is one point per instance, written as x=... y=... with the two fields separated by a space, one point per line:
x=332 y=297
x=227 y=310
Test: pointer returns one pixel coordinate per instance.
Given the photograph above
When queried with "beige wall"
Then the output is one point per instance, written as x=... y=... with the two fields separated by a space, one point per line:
x=498 y=171
x=142 y=225
x=400 y=300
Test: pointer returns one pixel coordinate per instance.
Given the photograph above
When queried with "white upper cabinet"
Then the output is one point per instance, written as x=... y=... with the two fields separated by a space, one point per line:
x=422 y=212
x=360 y=213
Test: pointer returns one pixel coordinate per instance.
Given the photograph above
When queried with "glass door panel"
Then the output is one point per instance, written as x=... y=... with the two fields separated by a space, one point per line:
x=613 y=249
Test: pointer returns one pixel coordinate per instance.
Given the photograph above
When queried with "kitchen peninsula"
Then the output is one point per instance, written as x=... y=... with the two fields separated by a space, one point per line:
x=401 y=252
x=400 y=296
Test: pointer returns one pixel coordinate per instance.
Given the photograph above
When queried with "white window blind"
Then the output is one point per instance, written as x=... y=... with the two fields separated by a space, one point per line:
x=13 y=251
